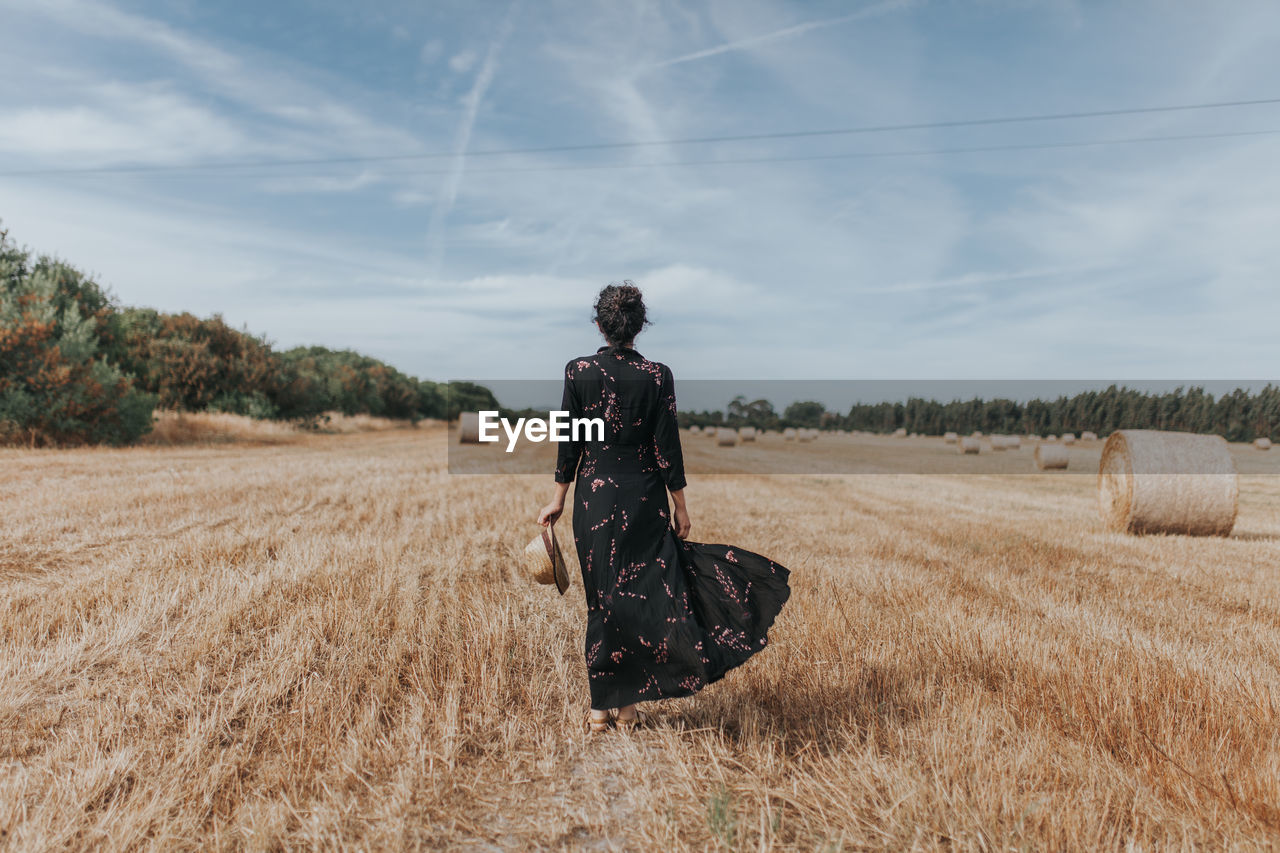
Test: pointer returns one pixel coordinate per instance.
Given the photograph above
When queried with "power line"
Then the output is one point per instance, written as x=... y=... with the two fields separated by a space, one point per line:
x=605 y=146
x=856 y=155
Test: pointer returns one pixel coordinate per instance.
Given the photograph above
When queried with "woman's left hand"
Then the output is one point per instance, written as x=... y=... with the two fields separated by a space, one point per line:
x=680 y=521
x=550 y=513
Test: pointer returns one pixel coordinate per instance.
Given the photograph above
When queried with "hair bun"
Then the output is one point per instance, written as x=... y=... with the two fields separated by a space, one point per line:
x=620 y=312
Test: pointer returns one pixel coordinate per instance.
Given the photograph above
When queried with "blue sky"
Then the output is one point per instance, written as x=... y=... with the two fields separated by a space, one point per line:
x=1155 y=260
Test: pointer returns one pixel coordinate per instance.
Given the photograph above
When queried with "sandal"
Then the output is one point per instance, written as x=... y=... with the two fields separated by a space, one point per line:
x=628 y=724
x=597 y=725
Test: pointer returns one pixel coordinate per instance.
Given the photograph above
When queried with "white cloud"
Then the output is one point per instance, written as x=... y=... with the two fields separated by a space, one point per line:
x=461 y=63
x=290 y=108
x=431 y=52
x=120 y=121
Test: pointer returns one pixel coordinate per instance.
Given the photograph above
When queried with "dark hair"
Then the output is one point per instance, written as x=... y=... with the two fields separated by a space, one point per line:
x=620 y=312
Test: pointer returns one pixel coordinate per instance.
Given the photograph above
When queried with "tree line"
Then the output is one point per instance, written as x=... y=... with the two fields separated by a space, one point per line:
x=1237 y=416
x=78 y=368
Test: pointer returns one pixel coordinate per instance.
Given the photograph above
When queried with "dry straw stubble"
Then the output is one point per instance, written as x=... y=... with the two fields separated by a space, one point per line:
x=317 y=645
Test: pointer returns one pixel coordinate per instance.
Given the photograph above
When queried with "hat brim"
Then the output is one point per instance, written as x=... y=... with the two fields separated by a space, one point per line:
x=562 y=574
x=561 y=571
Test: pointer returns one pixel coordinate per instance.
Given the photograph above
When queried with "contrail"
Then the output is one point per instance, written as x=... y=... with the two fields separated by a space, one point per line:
x=786 y=32
x=462 y=139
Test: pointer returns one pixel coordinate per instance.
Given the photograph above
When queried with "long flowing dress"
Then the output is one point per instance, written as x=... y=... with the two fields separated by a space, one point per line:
x=665 y=617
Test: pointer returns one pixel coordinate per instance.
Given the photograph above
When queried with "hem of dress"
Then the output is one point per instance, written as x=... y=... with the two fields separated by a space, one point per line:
x=682 y=692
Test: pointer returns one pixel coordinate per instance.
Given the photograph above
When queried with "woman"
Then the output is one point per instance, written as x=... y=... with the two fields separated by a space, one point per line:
x=665 y=616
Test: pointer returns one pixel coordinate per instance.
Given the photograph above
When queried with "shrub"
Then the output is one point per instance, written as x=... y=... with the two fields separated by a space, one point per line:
x=56 y=383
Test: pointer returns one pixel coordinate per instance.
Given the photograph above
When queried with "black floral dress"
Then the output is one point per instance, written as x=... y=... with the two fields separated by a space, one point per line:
x=665 y=617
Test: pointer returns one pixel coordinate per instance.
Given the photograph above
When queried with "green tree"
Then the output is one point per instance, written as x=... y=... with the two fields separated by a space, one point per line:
x=57 y=386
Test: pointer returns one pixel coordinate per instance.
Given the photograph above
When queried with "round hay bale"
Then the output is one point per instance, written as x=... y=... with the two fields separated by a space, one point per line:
x=1262 y=443
x=950 y=438
x=900 y=432
x=789 y=434
x=1050 y=438
x=469 y=428
x=1087 y=435
x=747 y=434
x=1150 y=481
x=1068 y=438
x=695 y=430
x=1051 y=458
x=969 y=446
x=805 y=434
x=726 y=437
x=998 y=442
x=1013 y=442
x=977 y=433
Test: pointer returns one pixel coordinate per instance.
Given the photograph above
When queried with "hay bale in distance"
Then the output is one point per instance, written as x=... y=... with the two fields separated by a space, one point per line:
x=804 y=434
x=789 y=434
x=1068 y=438
x=950 y=438
x=747 y=433
x=469 y=428
x=1150 y=481
x=900 y=432
x=1013 y=442
x=726 y=437
x=1053 y=458
x=969 y=446
x=1262 y=443
x=695 y=430
x=998 y=442
x=1088 y=435
x=977 y=433
x=1050 y=438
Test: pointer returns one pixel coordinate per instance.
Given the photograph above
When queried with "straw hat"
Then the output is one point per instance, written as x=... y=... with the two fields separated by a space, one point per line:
x=545 y=562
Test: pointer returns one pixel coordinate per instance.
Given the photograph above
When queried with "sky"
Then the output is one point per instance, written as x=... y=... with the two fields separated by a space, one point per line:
x=170 y=148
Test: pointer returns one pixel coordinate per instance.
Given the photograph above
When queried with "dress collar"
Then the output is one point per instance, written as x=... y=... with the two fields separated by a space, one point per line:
x=629 y=351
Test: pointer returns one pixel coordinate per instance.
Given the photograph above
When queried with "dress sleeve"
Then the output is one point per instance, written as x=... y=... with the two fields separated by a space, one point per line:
x=666 y=435
x=570 y=452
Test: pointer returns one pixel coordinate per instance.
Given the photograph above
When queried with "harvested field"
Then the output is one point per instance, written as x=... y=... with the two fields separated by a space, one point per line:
x=329 y=641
